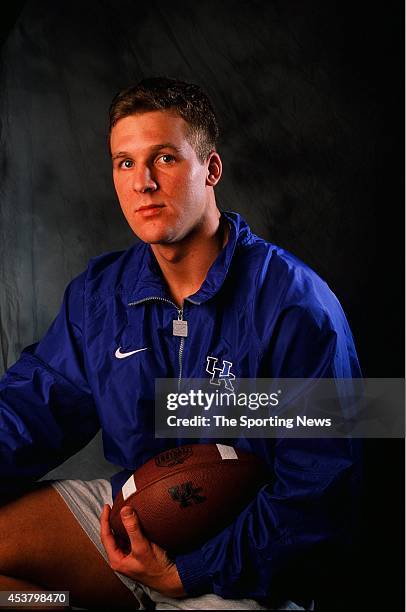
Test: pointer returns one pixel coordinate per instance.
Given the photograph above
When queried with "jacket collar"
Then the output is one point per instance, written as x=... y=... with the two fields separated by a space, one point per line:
x=151 y=283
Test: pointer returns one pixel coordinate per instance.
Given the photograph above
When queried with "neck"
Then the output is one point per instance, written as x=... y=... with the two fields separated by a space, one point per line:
x=185 y=264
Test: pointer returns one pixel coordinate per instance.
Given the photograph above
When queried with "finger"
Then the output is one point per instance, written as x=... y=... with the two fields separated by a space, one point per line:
x=105 y=529
x=139 y=543
x=114 y=553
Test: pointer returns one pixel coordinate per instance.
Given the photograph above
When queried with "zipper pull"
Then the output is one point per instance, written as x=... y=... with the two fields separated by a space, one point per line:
x=179 y=326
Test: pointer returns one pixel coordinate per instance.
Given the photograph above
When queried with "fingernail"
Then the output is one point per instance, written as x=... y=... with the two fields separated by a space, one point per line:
x=127 y=511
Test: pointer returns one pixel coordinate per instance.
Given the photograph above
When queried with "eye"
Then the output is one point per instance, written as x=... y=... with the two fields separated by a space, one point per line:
x=166 y=158
x=126 y=164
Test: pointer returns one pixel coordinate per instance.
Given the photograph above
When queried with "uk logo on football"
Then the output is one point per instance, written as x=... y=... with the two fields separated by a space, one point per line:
x=219 y=374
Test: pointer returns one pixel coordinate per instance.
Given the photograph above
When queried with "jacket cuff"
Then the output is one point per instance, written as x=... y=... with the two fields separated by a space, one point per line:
x=191 y=568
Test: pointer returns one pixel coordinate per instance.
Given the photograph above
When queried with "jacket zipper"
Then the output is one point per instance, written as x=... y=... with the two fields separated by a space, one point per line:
x=181 y=347
x=180 y=318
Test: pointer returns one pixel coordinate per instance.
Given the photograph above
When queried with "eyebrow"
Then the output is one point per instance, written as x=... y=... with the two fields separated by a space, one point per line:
x=153 y=149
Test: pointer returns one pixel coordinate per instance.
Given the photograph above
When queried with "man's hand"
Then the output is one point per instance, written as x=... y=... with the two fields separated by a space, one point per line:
x=146 y=562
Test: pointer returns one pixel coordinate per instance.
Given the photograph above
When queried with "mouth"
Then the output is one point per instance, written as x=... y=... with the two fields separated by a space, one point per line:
x=150 y=209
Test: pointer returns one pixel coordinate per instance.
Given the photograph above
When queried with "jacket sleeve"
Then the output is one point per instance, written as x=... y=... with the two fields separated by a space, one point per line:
x=310 y=503
x=46 y=408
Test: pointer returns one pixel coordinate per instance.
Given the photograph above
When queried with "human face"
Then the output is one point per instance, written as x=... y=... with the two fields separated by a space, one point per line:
x=160 y=182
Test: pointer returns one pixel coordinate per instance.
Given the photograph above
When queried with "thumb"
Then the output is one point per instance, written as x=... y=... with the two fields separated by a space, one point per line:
x=132 y=527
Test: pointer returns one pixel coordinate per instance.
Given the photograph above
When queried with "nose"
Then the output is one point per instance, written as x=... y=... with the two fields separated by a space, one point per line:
x=143 y=179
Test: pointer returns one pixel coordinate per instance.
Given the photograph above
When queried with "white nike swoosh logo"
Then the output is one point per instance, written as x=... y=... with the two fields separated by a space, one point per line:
x=121 y=355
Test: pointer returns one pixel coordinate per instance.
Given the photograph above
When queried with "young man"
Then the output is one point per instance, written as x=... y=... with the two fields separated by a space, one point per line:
x=245 y=301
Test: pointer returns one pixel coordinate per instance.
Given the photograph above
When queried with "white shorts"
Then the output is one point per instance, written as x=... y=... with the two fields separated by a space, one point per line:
x=86 y=498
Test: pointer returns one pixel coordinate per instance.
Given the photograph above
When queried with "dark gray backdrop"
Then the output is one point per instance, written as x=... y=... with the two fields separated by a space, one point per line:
x=308 y=96
x=310 y=102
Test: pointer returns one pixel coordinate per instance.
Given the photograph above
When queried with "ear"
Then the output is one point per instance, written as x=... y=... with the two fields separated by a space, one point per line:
x=214 y=169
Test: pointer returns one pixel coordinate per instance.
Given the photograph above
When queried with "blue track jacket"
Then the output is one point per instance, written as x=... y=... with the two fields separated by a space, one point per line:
x=261 y=309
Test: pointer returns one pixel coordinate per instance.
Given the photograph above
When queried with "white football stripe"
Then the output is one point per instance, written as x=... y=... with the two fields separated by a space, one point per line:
x=129 y=488
x=227 y=452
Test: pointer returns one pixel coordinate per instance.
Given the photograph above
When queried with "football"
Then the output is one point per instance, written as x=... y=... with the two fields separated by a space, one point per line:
x=187 y=494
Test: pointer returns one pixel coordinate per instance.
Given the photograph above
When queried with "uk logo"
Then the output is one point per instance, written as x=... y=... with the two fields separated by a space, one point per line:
x=186 y=494
x=220 y=374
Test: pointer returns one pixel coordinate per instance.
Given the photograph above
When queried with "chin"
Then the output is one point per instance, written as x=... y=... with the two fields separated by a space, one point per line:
x=155 y=235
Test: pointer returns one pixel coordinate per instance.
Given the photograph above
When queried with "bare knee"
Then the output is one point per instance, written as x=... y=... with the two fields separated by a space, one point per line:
x=43 y=544
x=20 y=526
